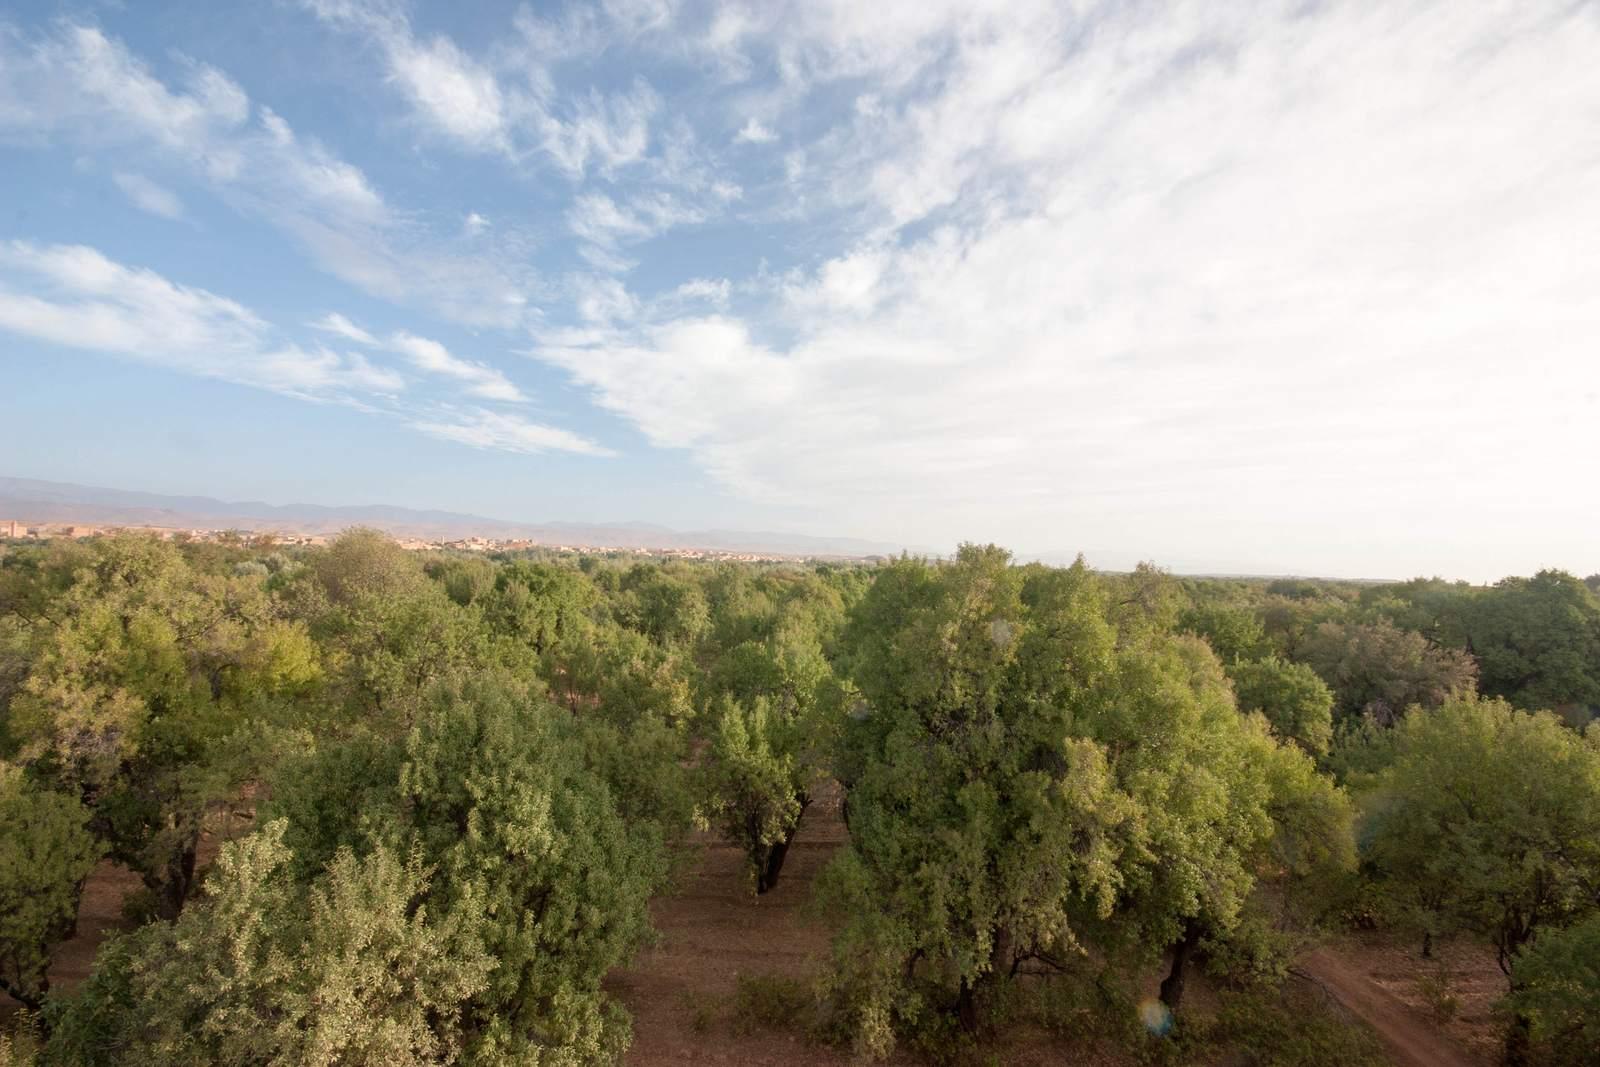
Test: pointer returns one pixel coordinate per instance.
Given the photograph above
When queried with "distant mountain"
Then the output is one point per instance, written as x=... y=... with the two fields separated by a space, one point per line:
x=33 y=501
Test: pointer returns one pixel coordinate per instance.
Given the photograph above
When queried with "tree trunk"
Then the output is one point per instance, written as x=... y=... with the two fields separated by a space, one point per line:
x=1427 y=944
x=767 y=875
x=967 y=1007
x=975 y=1001
x=1519 y=1041
x=33 y=1003
x=174 y=889
x=1172 y=985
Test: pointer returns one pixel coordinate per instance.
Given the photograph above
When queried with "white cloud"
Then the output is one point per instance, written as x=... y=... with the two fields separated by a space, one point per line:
x=1285 y=285
x=433 y=357
x=335 y=323
x=510 y=433
x=507 y=107
x=74 y=296
x=753 y=132
x=79 y=83
x=597 y=218
x=475 y=223
x=713 y=290
x=146 y=195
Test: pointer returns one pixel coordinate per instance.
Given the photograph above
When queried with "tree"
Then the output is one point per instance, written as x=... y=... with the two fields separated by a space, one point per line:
x=1033 y=781
x=1488 y=819
x=1376 y=669
x=758 y=787
x=1557 y=982
x=362 y=966
x=493 y=790
x=776 y=705
x=1233 y=630
x=1297 y=703
x=46 y=852
x=1538 y=641
x=144 y=677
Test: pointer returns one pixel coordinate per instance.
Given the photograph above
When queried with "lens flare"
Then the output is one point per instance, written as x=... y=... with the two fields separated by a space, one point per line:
x=1156 y=1017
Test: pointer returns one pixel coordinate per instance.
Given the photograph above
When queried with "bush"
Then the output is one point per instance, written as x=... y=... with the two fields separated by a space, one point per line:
x=773 y=1002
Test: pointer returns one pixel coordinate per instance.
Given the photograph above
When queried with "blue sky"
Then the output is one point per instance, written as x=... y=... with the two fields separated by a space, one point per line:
x=1271 y=287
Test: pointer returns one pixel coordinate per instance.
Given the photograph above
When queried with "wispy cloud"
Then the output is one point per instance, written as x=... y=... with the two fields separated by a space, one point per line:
x=505 y=106
x=335 y=323
x=431 y=356
x=148 y=196
x=510 y=433
x=81 y=84
x=74 y=296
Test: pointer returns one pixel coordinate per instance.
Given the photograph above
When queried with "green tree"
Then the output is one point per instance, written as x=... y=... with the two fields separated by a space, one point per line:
x=362 y=966
x=1233 y=630
x=1538 y=641
x=144 y=677
x=46 y=852
x=776 y=708
x=494 y=790
x=1557 y=982
x=1033 y=781
x=1488 y=819
x=1296 y=702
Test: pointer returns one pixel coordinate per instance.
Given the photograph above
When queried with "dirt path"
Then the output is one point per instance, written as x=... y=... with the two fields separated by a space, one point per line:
x=1413 y=1042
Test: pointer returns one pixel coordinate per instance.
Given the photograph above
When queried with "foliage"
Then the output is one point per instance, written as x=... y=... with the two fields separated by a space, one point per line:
x=1488 y=819
x=519 y=873
x=46 y=851
x=1376 y=669
x=1556 y=985
x=1233 y=630
x=1297 y=702
x=362 y=966
x=1034 y=780
x=777 y=707
x=1538 y=641
x=145 y=677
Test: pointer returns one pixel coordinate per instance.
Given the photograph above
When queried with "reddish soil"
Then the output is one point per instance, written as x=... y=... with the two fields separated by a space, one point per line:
x=1427 y=1012
x=713 y=929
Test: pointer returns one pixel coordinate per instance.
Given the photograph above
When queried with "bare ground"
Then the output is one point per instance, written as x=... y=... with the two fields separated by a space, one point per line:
x=1427 y=1012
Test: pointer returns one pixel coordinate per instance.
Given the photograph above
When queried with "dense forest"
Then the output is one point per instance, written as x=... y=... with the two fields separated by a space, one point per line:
x=463 y=780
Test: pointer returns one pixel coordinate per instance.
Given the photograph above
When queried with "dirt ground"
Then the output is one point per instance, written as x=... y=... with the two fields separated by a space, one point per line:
x=1438 y=1011
x=712 y=930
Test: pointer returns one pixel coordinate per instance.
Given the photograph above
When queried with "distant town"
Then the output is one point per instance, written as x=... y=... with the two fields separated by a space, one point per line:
x=21 y=530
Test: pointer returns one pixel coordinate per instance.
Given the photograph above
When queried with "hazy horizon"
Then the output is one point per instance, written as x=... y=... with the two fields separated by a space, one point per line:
x=1295 y=289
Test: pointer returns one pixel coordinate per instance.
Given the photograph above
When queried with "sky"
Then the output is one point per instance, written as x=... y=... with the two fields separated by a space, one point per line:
x=1307 y=287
